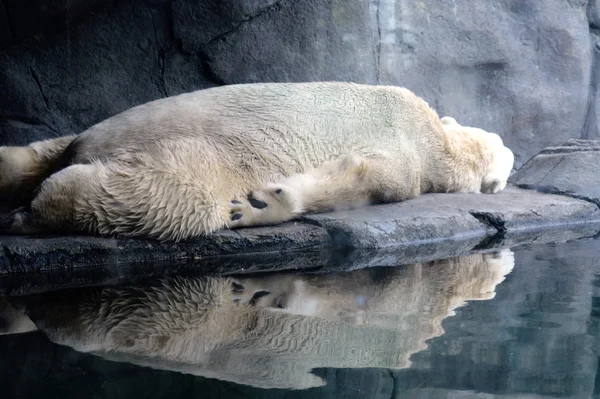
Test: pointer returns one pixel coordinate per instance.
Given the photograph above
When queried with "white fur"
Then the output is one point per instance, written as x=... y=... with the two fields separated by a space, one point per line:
x=171 y=168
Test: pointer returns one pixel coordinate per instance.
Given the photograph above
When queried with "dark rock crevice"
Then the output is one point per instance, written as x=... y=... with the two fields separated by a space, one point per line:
x=590 y=128
x=205 y=61
x=378 y=44
x=29 y=120
x=338 y=235
x=560 y=161
x=174 y=45
x=493 y=220
x=9 y=26
x=554 y=190
x=489 y=242
x=273 y=7
x=36 y=79
x=38 y=84
x=161 y=56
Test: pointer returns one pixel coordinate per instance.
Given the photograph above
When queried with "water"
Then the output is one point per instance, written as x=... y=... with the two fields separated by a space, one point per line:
x=521 y=323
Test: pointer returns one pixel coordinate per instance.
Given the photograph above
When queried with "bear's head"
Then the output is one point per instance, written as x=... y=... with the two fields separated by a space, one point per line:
x=498 y=159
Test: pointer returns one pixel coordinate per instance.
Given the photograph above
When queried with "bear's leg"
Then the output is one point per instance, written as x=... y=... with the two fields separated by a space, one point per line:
x=114 y=198
x=58 y=203
x=22 y=169
x=350 y=182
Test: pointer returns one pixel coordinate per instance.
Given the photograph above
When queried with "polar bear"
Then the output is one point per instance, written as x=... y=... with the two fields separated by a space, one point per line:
x=267 y=331
x=245 y=155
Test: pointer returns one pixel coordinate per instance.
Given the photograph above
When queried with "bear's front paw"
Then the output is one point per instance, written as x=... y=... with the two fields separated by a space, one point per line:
x=271 y=205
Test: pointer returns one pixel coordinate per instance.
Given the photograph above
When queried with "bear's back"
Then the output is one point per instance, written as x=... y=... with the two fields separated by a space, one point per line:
x=299 y=123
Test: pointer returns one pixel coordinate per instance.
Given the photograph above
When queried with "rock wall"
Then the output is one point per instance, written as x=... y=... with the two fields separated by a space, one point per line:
x=525 y=69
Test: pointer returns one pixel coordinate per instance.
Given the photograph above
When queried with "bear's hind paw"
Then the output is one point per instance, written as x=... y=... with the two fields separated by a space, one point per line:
x=263 y=207
x=246 y=213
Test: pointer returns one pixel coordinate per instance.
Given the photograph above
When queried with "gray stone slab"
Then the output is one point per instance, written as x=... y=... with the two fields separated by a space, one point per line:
x=35 y=254
x=570 y=169
x=439 y=216
x=312 y=260
x=430 y=227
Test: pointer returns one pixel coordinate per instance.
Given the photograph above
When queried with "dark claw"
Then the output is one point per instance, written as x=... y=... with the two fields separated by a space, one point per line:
x=257 y=296
x=236 y=216
x=256 y=203
x=260 y=294
x=237 y=287
x=236 y=202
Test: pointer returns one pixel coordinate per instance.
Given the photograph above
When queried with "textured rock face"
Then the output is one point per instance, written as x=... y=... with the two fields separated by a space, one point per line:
x=518 y=68
x=522 y=69
x=592 y=127
x=570 y=169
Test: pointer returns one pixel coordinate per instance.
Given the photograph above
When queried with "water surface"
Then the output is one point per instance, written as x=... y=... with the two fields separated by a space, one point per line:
x=516 y=323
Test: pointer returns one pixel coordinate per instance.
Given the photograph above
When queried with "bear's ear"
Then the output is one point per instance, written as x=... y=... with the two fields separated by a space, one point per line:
x=448 y=120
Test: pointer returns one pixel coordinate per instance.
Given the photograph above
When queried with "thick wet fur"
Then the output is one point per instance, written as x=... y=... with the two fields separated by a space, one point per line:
x=244 y=155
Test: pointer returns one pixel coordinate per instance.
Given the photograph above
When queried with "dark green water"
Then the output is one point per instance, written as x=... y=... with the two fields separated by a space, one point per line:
x=446 y=329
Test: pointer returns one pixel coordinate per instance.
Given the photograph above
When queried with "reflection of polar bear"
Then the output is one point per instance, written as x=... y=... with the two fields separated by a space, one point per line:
x=266 y=331
x=245 y=155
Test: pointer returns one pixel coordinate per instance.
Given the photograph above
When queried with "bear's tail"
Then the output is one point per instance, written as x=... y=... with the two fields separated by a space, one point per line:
x=22 y=169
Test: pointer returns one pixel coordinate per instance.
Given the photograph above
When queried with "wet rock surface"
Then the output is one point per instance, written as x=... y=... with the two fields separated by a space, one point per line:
x=430 y=227
x=438 y=216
